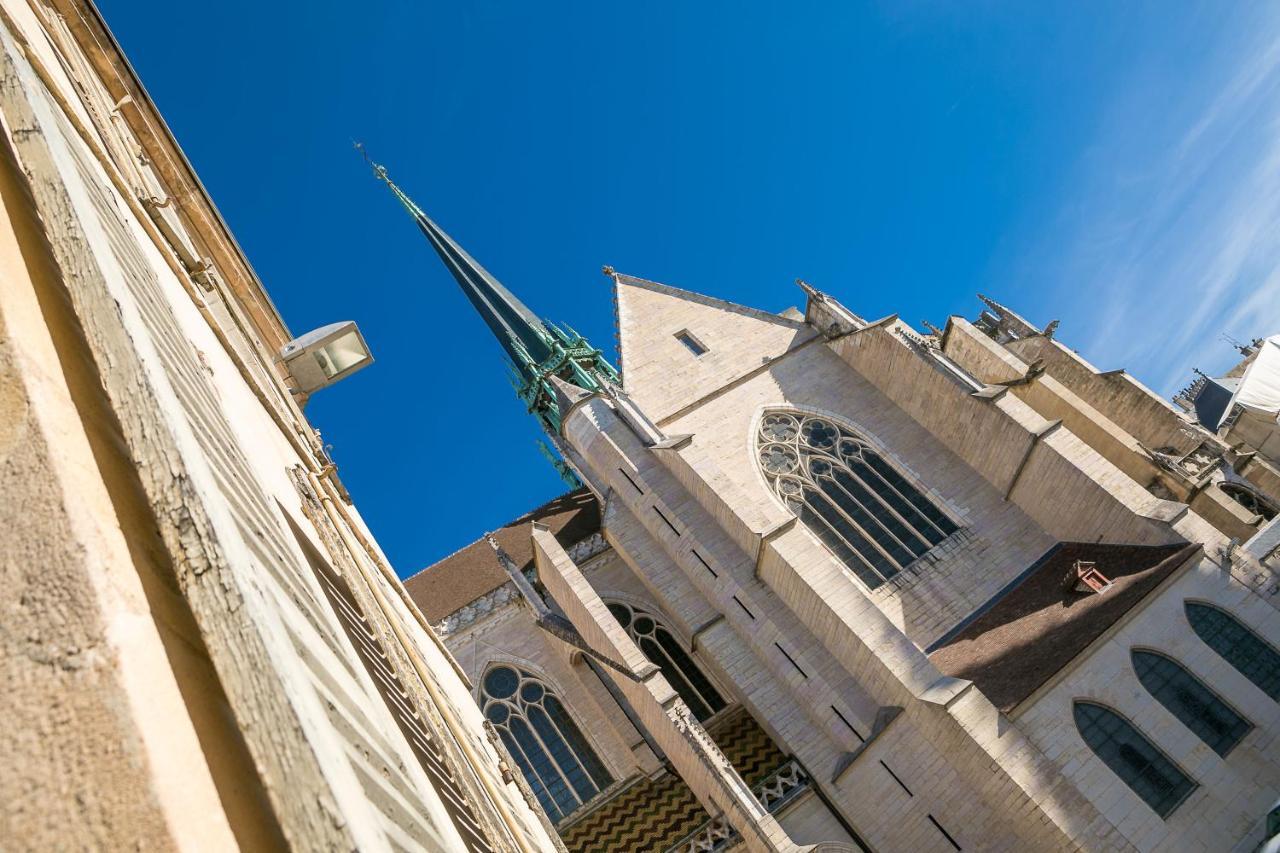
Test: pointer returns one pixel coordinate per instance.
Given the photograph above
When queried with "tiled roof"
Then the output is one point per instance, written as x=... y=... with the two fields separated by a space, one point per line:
x=649 y=814
x=653 y=814
x=1037 y=627
x=465 y=575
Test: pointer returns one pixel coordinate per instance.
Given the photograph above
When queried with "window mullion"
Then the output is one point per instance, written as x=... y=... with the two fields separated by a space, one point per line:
x=869 y=538
x=873 y=517
x=554 y=766
x=551 y=756
x=518 y=753
x=909 y=502
x=874 y=492
x=706 y=700
x=679 y=671
x=841 y=536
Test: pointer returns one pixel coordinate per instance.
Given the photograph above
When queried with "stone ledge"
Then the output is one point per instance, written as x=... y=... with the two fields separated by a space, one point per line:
x=884 y=718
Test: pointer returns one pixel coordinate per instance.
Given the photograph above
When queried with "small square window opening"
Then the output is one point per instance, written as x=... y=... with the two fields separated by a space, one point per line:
x=694 y=345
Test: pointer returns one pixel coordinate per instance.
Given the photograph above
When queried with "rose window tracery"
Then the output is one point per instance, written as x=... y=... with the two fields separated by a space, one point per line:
x=861 y=506
x=556 y=759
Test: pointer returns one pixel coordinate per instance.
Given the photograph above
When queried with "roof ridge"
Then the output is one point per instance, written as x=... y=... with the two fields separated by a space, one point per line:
x=522 y=519
x=704 y=299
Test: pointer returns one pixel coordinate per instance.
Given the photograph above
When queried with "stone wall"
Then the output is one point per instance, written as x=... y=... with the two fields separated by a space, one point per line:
x=202 y=629
x=1232 y=794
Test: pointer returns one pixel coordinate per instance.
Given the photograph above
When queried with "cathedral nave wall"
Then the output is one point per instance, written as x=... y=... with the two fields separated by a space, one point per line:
x=786 y=704
x=1063 y=484
x=996 y=540
x=852 y=635
x=1149 y=417
x=1057 y=395
x=1233 y=792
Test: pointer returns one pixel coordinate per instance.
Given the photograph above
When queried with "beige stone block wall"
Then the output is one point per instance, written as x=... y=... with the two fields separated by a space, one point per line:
x=1233 y=793
x=1262 y=473
x=1015 y=477
x=997 y=540
x=1075 y=493
x=835 y=634
x=809 y=821
x=1055 y=400
x=701 y=765
x=1225 y=513
x=1138 y=410
x=661 y=373
x=98 y=662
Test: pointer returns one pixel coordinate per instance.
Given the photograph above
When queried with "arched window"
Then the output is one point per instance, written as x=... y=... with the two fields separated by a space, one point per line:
x=561 y=766
x=661 y=647
x=1198 y=707
x=1249 y=499
x=1238 y=646
x=1132 y=757
x=857 y=503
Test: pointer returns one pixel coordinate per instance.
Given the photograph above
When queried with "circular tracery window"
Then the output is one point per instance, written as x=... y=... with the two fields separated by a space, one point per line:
x=779 y=427
x=819 y=433
x=556 y=759
x=866 y=511
x=779 y=458
x=501 y=682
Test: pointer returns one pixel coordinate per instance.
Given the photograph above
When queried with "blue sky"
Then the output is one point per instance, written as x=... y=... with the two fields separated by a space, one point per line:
x=1113 y=165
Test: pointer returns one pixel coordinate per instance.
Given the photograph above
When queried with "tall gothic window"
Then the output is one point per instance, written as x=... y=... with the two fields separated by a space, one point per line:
x=1238 y=646
x=852 y=499
x=677 y=667
x=1132 y=757
x=561 y=766
x=1198 y=707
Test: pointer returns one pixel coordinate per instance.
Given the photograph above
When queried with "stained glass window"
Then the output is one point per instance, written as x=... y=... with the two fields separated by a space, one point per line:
x=1198 y=707
x=861 y=507
x=1132 y=757
x=1238 y=645
x=660 y=646
x=560 y=766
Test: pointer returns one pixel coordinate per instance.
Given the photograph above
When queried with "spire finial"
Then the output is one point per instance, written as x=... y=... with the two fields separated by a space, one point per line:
x=379 y=171
x=537 y=350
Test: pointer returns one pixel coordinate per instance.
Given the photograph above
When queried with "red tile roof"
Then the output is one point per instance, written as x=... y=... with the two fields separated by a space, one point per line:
x=465 y=575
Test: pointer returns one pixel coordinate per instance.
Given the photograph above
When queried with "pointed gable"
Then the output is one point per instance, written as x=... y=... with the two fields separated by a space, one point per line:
x=676 y=346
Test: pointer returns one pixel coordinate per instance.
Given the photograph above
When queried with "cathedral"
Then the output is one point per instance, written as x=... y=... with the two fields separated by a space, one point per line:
x=828 y=580
x=818 y=581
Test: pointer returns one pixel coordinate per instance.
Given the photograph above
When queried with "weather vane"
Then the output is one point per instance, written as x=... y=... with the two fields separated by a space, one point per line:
x=379 y=171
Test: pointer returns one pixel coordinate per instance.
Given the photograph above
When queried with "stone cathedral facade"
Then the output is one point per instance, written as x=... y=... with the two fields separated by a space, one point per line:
x=831 y=581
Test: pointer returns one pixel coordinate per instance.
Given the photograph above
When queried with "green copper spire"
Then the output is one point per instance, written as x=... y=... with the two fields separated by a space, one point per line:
x=537 y=350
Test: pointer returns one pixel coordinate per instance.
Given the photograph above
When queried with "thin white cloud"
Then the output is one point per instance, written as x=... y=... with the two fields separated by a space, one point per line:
x=1172 y=236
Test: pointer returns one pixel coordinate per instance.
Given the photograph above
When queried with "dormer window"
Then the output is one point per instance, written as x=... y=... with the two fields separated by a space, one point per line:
x=694 y=345
x=1086 y=577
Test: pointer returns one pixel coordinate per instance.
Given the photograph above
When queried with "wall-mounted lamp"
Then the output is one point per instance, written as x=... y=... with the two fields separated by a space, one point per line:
x=325 y=356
